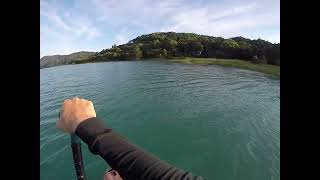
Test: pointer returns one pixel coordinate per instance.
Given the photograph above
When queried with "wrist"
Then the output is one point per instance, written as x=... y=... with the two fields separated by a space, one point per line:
x=80 y=120
x=90 y=129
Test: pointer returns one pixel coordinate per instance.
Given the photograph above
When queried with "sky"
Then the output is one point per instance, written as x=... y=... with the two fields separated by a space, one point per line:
x=68 y=26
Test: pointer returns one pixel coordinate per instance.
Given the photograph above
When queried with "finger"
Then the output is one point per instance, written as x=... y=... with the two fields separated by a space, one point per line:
x=89 y=102
x=76 y=98
x=66 y=101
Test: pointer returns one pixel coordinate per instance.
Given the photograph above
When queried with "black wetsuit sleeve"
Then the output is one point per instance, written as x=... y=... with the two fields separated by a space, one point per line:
x=129 y=160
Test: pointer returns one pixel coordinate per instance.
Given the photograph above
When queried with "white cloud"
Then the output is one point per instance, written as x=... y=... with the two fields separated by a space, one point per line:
x=213 y=18
x=98 y=23
x=64 y=32
x=121 y=38
x=82 y=27
x=220 y=22
x=273 y=38
x=56 y=20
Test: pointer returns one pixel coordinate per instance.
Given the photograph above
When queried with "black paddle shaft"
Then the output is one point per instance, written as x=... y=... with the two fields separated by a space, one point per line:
x=77 y=156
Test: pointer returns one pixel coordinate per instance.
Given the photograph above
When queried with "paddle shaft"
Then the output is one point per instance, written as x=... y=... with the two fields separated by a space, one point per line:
x=77 y=156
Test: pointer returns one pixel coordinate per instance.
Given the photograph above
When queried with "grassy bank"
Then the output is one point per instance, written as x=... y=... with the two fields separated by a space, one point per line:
x=264 y=68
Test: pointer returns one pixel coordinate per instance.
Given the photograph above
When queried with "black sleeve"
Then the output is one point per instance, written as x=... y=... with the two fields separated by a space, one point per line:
x=129 y=160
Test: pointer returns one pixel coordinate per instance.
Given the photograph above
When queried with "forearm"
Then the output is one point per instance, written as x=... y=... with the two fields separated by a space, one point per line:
x=129 y=160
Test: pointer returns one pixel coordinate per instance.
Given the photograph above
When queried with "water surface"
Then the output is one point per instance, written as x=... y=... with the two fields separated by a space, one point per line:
x=222 y=123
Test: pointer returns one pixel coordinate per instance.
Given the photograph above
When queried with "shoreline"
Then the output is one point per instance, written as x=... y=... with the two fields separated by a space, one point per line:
x=268 y=69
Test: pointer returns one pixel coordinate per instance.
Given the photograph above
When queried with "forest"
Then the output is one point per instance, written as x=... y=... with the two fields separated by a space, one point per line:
x=171 y=44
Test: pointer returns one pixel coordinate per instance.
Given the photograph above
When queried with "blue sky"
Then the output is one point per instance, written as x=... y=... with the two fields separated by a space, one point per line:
x=68 y=26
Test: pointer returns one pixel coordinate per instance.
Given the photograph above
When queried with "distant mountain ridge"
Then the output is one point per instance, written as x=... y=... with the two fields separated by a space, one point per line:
x=55 y=60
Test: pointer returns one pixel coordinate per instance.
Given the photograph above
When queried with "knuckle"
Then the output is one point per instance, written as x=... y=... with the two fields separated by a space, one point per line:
x=89 y=103
x=66 y=101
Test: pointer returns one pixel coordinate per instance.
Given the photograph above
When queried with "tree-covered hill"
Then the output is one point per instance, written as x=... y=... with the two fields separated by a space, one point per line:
x=171 y=44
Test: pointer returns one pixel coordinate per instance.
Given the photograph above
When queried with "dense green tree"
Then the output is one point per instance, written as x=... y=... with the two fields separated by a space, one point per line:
x=164 y=53
x=171 y=44
x=137 y=52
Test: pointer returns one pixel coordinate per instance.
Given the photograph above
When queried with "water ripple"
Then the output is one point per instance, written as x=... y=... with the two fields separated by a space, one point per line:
x=214 y=114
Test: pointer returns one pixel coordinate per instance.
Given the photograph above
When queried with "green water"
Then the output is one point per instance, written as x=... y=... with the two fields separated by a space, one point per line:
x=221 y=123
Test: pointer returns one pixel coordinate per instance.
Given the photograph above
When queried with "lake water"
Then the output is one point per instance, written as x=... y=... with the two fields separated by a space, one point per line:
x=221 y=123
